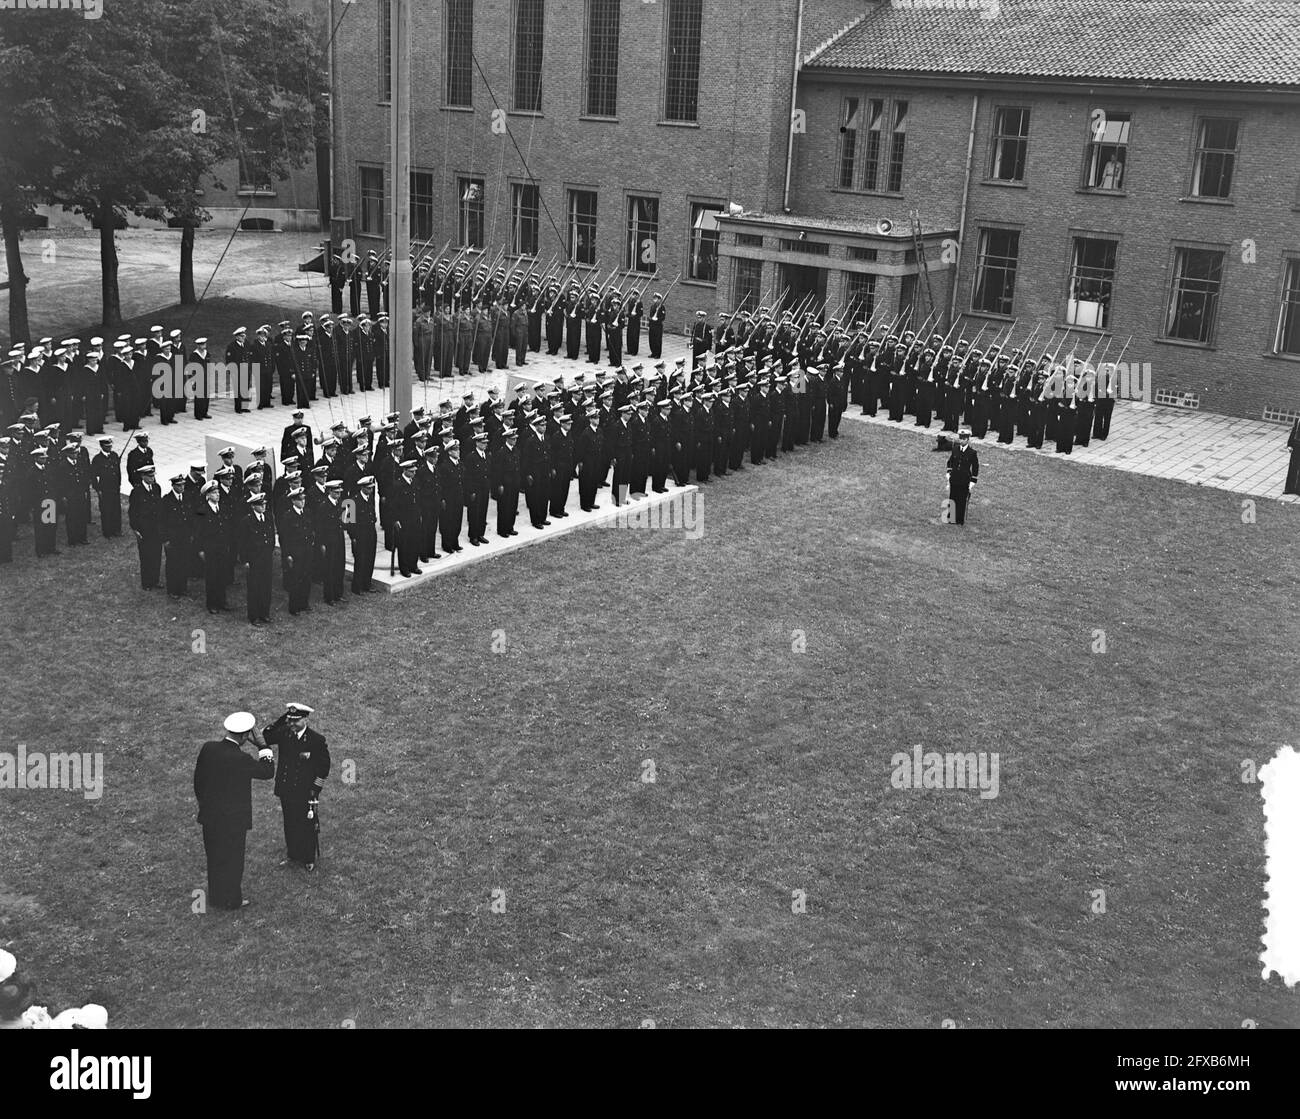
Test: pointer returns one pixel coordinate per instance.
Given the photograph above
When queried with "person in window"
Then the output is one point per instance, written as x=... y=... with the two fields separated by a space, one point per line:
x=1112 y=174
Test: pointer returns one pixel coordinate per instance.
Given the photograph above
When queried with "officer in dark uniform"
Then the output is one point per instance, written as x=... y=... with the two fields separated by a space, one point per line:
x=505 y=481
x=304 y=763
x=365 y=537
x=963 y=472
x=257 y=549
x=106 y=476
x=145 y=515
x=451 y=491
x=223 y=780
x=655 y=325
x=476 y=471
x=297 y=546
x=178 y=537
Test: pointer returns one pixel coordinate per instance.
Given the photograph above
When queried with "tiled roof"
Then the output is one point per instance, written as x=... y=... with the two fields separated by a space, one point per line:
x=1212 y=41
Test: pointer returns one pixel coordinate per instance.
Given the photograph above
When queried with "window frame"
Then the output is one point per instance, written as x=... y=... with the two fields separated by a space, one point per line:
x=978 y=279
x=516 y=35
x=1177 y=249
x=999 y=137
x=1199 y=151
x=697 y=12
x=416 y=235
x=571 y=199
x=464 y=211
x=746 y=262
x=1290 y=264
x=848 y=160
x=611 y=78
x=1090 y=160
x=518 y=216
x=1108 y=304
x=703 y=205
x=450 y=68
x=363 y=169
x=384 y=48
x=632 y=260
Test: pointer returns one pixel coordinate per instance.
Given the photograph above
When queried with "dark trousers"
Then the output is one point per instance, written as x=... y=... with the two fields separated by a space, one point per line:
x=449 y=523
x=365 y=540
x=225 y=850
x=476 y=509
x=299 y=832
x=536 y=497
x=259 y=585
x=559 y=494
x=959 y=495
x=297 y=581
x=588 y=483
x=110 y=513
x=150 y=548
x=215 y=564
x=409 y=542
x=507 y=509
x=178 y=567
x=1101 y=418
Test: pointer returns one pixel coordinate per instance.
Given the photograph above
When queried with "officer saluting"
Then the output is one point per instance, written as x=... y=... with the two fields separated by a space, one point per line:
x=223 y=780
x=304 y=765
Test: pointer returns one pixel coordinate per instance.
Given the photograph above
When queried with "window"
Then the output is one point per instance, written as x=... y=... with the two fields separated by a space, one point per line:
x=749 y=240
x=1010 y=143
x=385 y=49
x=255 y=170
x=848 y=142
x=372 y=200
x=871 y=162
x=582 y=226
x=1194 y=296
x=460 y=53
x=471 y=212
x=602 y=58
x=995 y=271
x=859 y=297
x=857 y=252
x=1107 y=152
x=1216 y=154
x=529 y=17
x=704 y=241
x=525 y=223
x=747 y=285
x=817 y=248
x=896 y=147
x=421 y=206
x=642 y=234
x=1092 y=275
x=682 y=92
x=1288 y=323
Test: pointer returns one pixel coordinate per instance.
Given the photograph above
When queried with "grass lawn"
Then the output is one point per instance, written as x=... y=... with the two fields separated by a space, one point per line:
x=521 y=770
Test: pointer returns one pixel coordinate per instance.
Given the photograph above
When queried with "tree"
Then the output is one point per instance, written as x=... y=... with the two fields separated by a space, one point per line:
x=126 y=126
x=29 y=142
x=255 y=73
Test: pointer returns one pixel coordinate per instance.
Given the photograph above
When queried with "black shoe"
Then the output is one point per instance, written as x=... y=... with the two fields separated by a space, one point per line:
x=475 y=542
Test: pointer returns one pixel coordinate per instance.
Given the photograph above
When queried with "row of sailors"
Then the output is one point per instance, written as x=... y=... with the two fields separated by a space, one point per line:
x=76 y=387
x=45 y=474
x=421 y=486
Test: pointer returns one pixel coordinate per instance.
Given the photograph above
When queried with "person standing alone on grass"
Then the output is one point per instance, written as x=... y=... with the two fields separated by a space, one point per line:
x=963 y=472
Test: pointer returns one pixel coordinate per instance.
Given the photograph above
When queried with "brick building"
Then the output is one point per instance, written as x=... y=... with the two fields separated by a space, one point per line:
x=1121 y=168
x=610 y=132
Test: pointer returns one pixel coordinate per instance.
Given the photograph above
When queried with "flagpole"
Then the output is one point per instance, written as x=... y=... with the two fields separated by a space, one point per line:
x=399 y=338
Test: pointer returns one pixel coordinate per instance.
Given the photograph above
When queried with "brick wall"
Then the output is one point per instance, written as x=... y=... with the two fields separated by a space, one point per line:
x=736 y=151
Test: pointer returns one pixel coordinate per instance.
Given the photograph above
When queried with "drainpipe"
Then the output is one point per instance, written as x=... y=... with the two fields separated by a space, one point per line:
x=965 y=198
x=794 y=93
